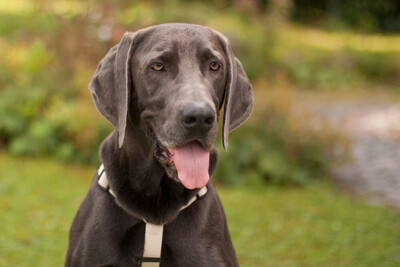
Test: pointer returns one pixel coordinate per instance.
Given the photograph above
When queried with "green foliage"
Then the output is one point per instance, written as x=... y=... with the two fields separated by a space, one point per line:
x=378 y=66
x=364 y=15
x=324 y=73
x=272 y=154
x=342 y=69
x=22 y=101
x=28 y=100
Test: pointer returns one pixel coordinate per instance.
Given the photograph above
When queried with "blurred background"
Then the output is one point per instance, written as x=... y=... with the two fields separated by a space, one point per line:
x=312 y=179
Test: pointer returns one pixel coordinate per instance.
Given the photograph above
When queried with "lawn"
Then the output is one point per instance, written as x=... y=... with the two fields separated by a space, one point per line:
x=270 y=226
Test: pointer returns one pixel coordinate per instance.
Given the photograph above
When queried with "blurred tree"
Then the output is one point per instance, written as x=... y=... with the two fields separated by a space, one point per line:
x=365 y=15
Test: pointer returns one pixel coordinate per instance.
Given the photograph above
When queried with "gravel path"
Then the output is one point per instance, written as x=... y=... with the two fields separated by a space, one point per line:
x=374 y=171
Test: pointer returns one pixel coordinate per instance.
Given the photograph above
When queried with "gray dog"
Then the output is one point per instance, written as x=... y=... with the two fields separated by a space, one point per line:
x=152 y=202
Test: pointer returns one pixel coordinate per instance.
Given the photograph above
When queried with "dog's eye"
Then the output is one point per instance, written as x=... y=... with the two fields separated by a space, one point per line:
x=157 y=66
x=214 y=66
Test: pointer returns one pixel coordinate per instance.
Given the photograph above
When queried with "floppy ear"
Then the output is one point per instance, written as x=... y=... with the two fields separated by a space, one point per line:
x=111 y=84
x=239 y=96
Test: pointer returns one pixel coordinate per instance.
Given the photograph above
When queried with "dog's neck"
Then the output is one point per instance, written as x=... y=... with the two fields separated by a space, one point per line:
x=140 y=182
x=134 y=161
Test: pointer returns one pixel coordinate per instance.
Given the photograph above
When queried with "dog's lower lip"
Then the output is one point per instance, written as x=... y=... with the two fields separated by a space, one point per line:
x=172 y=149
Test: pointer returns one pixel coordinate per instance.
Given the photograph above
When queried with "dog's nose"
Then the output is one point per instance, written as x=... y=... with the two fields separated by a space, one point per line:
x=197 y=117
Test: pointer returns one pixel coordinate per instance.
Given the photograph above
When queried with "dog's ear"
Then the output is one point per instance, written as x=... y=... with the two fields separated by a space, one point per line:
x=111 y=84
x=239 y=96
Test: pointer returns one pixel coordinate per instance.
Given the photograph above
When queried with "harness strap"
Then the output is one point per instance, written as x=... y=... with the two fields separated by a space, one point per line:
x=152 y=245
x=154 y=233
x=103 y=180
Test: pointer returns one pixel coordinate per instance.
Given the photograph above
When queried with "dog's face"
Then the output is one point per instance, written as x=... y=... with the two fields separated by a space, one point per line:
x=180 y=77
x=176 y=76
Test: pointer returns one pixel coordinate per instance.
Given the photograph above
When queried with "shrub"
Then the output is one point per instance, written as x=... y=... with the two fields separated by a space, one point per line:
x=41 y=116
x=341 y=69
x=280 y=146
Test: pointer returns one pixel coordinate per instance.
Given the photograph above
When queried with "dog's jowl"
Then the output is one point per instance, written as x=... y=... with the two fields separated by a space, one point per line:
x=152 y=201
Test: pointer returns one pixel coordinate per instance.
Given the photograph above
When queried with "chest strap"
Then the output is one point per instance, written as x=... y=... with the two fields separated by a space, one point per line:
x=154 y=233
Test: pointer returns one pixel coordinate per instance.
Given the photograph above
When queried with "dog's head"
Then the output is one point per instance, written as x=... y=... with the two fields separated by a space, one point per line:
x=171 y=81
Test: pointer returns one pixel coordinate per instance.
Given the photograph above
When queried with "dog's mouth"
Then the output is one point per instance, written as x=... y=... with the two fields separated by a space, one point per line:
x=187 y=163
x=161 y=153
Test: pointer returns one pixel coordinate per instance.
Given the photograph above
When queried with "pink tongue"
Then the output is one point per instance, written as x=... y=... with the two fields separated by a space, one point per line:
x=192 y=163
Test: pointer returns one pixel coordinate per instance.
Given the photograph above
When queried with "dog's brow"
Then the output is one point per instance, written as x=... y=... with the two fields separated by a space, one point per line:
x=209 y=53
x=160 y=55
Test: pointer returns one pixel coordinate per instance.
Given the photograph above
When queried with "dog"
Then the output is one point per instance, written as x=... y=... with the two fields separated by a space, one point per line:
x=162 y=88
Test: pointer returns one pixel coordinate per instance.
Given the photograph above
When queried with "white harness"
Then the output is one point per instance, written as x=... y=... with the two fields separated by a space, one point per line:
x=154 y=232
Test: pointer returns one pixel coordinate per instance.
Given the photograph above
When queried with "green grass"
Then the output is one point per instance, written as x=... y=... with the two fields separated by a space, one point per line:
x=270 y=226
x=38 y=199
x=315 y=226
